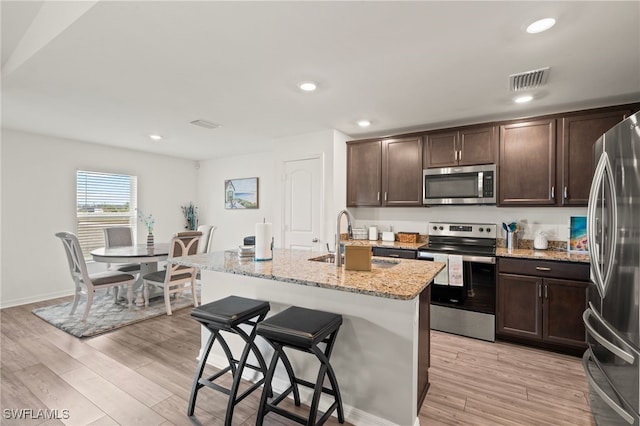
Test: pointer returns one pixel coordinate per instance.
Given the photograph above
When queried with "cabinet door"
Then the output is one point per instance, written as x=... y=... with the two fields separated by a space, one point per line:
x=477 y=146
x=519 y=309
x=402 y=172
x=527 y=164
x=578 y=134
x=364 y=173
x=563 y=304
x=440 y=150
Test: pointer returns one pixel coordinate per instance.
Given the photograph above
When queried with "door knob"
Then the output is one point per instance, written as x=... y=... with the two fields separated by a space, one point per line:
x=315 y=240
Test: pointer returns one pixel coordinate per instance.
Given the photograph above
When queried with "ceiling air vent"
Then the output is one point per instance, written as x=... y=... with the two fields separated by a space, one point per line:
x=528 y=80
x=205 y=124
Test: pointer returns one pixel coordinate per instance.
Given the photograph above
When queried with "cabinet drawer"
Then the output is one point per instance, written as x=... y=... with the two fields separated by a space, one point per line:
x=392 y=252
x=545 y=268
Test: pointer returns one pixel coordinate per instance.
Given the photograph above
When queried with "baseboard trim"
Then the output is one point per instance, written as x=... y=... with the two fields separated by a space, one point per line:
x=34 y=299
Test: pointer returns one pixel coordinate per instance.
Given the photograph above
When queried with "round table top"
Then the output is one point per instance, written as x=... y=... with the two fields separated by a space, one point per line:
x=137 y=253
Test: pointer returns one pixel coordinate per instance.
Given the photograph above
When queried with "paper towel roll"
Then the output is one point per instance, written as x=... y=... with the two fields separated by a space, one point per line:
x=264 y=242
x=373 y=233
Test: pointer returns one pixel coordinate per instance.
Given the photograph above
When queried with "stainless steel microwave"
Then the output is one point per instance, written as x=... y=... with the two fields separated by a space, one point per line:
x=459 y=185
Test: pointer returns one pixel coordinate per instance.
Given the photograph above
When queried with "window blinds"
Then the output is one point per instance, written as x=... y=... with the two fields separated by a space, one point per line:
x=102 y=200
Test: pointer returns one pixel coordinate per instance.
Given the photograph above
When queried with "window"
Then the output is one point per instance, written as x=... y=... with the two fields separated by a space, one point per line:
x=103 y=199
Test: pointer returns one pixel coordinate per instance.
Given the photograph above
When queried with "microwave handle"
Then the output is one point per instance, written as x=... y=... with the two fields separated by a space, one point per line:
x=480 y=184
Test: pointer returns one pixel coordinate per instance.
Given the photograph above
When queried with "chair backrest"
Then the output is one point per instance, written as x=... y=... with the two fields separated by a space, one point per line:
x=184 y=243
x=77 y=264
x=204 y=246
x=118 y=236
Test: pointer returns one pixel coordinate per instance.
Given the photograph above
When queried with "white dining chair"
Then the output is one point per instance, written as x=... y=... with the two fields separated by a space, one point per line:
x=91 y=282
x=120 y=236
x=175 y=278
x=204 y=246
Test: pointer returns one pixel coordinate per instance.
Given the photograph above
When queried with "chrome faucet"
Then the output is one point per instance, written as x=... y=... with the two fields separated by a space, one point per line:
x=338 y=255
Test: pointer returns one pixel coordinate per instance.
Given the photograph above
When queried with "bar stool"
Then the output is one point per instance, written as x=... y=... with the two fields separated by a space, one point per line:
x=301 y=329
x=227 y=315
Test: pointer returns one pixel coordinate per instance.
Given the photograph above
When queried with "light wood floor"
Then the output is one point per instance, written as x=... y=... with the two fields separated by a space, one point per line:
x=141 y=375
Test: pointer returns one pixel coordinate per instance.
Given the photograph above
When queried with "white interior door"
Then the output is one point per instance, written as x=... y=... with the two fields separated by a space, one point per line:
x=303 y=204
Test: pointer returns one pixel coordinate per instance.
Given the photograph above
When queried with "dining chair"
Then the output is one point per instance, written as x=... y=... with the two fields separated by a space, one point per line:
x=174 y=279
x=91 y=282
x=204 y=246
x=120 y=236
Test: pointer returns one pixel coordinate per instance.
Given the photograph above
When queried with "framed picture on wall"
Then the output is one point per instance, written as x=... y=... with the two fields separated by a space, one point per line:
x=578 y=234
x=241 y=193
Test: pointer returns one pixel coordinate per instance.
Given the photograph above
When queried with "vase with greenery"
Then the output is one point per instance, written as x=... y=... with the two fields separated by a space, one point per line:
x=148 y=221
x=190 y=213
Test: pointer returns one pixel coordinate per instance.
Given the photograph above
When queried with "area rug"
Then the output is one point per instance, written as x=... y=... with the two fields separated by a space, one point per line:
x=105 y=315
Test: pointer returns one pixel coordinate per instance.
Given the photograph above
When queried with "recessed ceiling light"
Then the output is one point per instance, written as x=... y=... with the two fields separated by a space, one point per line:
x=364 y=123
x=523 y=99
x=541 y=25
x=308 y=86
x=155 y=137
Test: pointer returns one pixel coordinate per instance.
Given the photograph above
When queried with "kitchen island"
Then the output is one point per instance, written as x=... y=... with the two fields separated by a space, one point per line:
x=381 y=355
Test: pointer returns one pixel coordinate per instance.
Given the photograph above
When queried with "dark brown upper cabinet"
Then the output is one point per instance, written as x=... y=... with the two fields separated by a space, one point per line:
x=384 y=172
x=527 y=171
x=463 y=147
x=577 y=135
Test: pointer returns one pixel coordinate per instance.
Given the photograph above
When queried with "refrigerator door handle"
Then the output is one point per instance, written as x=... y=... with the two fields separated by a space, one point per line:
x=620 y=353
x=601 y=275
x=606 y=398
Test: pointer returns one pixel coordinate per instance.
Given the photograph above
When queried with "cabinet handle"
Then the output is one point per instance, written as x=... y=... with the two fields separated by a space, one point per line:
x=553 y=192
x=566 y=193
x=539 y=290
x=385 y=195
x=542 y=268
x=546 y=291
x=378 y=195
x=460 y=155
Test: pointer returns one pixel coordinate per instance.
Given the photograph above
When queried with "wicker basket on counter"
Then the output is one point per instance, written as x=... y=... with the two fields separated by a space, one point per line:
x=408 y=237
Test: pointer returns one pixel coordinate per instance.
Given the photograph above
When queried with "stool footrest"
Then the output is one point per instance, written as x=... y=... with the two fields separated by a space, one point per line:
x=312 y=386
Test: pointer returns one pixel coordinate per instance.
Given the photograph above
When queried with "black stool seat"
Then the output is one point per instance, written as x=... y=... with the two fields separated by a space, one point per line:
x=228 y=315
x=301 y=329
x=230 y=311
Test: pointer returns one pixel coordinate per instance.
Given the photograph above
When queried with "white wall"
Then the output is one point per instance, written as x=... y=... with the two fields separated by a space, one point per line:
x=554 y=221
x=234 y=225
x=38 y=199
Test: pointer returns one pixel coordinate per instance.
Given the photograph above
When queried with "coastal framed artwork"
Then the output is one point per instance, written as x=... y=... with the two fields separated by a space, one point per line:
x=578 y=234
x=241 y=193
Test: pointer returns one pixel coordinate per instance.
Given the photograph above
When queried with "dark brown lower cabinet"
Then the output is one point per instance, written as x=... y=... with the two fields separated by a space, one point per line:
x=539 y=309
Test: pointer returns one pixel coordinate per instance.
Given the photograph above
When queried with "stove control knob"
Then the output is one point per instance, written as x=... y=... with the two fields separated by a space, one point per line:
x=481 y=229
x=435 y=228
x=488 y=229
x=440 y=228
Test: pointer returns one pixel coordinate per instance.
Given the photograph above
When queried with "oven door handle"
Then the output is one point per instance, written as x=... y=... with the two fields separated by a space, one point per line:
x=479 y=259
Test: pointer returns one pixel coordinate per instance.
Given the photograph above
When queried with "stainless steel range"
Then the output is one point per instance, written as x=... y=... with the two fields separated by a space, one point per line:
x=463 y=295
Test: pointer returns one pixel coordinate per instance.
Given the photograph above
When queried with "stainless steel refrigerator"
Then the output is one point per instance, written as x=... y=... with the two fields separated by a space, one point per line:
x=611 y=361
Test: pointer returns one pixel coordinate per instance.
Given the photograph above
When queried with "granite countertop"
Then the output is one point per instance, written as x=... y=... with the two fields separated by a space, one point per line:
x=562 y=256
x=403 y=281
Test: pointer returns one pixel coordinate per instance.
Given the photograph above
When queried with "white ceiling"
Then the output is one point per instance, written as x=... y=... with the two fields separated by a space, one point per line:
x=112 y=72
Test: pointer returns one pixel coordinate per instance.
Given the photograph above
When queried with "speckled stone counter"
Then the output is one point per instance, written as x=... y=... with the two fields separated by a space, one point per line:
x=560 y=256
x=404 y=281
x=381 y=352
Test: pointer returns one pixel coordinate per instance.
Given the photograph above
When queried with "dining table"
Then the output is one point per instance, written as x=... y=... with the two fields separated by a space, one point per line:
x=148 y=258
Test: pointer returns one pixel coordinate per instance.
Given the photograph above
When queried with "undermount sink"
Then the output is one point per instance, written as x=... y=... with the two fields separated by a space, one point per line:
x=325 y=258
x=376 y=262
x=384 y=263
